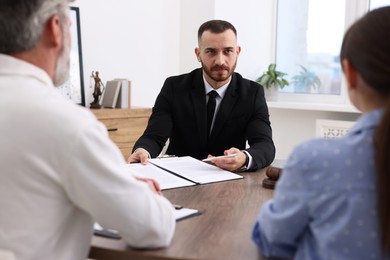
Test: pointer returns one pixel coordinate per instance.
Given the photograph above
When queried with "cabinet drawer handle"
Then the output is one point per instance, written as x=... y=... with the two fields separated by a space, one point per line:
x=112 y=129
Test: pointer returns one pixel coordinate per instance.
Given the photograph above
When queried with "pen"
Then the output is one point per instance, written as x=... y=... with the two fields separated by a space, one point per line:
x=222 y=156
x=166 y=156
x=177 y=206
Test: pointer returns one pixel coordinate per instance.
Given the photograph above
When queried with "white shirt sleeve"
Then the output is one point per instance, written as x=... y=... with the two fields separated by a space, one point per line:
x=97 y=182
x=250 y=160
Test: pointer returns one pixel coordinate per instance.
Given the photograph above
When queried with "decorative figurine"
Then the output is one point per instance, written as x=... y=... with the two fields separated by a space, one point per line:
x=97 y=91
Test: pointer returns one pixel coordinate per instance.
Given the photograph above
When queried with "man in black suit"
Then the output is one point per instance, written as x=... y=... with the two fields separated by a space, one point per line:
x=240 y=111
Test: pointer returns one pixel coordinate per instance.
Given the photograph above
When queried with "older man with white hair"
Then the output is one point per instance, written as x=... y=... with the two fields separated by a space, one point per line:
x=59 y=170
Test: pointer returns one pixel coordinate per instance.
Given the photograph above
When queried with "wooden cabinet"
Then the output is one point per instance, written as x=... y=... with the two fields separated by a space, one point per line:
x=125 y=126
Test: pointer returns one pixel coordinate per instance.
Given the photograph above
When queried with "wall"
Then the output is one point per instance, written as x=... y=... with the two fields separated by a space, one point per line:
x=291 y=126
x=149 y=40
x=134 y=39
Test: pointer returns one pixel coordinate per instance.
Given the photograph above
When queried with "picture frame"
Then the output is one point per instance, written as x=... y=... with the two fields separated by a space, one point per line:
x=74 y=87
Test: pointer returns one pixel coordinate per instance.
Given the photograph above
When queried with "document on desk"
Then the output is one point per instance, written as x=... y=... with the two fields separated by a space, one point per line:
x=180 y=214
x=176 y=172
x=194 y=170
x=164 y=178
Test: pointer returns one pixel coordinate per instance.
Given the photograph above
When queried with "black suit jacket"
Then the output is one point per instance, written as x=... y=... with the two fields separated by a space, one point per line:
x=180 y=115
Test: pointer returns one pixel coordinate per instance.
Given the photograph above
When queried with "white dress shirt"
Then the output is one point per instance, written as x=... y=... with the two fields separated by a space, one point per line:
x=60 y=173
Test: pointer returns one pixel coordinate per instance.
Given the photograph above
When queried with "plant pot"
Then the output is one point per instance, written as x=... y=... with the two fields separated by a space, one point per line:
x=270 y=94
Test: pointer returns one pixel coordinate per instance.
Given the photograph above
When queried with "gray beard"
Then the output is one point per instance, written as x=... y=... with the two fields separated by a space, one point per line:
x=62 y=72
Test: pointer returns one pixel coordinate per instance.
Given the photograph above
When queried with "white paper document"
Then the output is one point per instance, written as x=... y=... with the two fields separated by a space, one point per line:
x=176 y=172
x=194 y=170
x=164 y=178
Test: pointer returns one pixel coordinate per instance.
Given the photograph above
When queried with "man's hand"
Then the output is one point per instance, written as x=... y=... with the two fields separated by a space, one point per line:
x=139 y=155
x=232 y=163
x=153 y=184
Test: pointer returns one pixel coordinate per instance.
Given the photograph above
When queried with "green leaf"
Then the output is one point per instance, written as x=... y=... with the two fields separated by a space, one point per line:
x=272 y=78
x=273 y=74
x=264 y=79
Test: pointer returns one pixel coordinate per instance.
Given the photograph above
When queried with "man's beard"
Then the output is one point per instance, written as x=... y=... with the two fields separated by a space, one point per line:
x=219 y=77
x=61 y=74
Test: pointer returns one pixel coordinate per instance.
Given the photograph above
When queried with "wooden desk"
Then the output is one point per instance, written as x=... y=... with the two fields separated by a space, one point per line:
x=223 y=231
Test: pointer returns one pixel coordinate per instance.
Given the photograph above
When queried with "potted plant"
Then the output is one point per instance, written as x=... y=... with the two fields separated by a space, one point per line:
x=272 y=78
x=305 y=80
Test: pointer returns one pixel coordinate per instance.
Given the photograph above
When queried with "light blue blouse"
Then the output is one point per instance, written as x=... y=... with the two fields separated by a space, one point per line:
x=324 y=205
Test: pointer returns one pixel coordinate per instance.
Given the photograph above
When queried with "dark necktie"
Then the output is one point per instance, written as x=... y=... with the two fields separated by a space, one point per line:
x=211 y=109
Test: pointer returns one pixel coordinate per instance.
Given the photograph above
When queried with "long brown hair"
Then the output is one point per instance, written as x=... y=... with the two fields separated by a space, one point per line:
x=366 y=46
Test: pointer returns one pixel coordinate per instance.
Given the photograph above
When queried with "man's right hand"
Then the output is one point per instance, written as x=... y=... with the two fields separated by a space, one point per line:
x=139 y=155
x=153 y=184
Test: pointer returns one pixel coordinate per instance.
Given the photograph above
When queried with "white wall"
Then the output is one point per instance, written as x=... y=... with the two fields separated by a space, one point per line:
x=149 y=40
x=134 y=39
x=291 y=127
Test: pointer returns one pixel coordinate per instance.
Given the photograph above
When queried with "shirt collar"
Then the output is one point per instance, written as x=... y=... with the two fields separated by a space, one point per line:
x=221 y=91
x=368 y=120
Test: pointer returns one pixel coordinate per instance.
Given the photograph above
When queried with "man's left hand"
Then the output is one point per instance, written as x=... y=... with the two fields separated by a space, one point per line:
x=232 y=163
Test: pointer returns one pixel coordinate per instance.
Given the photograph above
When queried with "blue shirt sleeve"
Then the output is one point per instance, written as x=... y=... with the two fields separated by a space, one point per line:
x=283 y=219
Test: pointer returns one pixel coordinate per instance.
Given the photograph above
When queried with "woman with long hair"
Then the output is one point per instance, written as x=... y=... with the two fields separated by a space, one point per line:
x=333 y=199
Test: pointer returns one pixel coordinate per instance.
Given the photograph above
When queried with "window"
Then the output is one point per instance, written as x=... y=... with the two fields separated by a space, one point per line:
x=378 y=3
x=308 y=40
x=308 y=44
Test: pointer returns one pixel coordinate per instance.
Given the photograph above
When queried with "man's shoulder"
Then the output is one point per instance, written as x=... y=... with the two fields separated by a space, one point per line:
x=186 y=76
x=70 y=114
x=246 y=87
x=184 y=82
x=244 y=81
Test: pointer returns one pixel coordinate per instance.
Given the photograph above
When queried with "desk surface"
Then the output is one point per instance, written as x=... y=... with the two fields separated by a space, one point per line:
x=223 y=231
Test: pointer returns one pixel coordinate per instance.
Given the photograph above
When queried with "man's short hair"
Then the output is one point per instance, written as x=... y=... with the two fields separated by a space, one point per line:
x=216 y=26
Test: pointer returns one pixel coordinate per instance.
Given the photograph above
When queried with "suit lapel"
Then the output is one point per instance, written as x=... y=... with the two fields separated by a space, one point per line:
x=198 y=97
